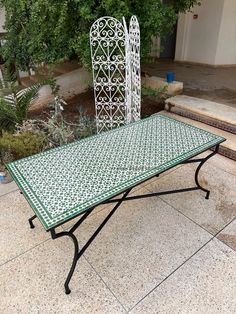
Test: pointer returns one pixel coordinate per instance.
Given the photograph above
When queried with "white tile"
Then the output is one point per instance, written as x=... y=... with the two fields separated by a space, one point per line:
x=212 y=214
x=16 y=235
x=228 y=235
x=34 y=283
x=143 y=243
x=204 y=284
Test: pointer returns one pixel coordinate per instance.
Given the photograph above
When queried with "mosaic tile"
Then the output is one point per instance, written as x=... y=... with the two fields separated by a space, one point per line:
x=63 y=182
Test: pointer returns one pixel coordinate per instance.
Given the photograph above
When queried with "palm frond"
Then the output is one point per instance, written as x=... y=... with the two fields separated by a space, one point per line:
x=8 y=116
x=10 y=99
x=29 y=94
x=8 y=81
x=16 y=102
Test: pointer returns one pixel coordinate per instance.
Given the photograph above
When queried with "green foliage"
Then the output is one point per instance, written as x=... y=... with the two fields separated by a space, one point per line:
x=183 y=5
x=56 y=130
x=157 y=94
x=16 y=146
x=34 y=136
x=59 y=131
x=86 y=126
x=14 y=107
x=49 y=31
x=15 y=102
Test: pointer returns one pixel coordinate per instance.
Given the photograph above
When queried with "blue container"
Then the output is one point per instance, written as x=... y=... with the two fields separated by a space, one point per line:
x=170 y=77
x=2 y=177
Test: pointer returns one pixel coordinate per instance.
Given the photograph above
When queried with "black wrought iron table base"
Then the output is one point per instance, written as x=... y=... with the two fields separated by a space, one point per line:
x=79 y=252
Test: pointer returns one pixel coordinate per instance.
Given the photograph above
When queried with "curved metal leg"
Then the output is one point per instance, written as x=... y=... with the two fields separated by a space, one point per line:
x=79 y=252
x=31 y=221
x=198 y=169
x=75 y=258
x=197 y=182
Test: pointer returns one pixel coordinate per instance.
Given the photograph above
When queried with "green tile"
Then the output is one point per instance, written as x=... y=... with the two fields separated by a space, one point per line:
x=63 y=182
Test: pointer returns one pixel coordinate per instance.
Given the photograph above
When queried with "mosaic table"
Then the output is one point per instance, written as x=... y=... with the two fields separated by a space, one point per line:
x=63 y=183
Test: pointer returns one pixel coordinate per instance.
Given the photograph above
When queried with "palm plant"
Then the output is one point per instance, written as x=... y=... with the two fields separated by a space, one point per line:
x=15 y=101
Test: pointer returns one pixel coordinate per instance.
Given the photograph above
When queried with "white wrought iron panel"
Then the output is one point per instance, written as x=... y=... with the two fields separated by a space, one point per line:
x=115 y=56
x=134 y=55
x=107 y=40
x=127 y=74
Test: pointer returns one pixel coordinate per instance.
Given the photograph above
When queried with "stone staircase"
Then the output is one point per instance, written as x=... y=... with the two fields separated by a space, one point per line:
x=209 y=112
x=210 y=116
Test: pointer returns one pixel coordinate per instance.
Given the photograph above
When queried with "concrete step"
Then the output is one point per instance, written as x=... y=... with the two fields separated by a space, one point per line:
x=209 y=112
x=154 y=82
x=227 y=148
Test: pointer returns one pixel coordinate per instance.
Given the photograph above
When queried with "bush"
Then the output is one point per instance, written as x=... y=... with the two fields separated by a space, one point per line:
x=15 y=101
x=16 y=146
x=56 y=130
x=50 y=31
x=86 y=125
x=34 y=136
x=159 y=94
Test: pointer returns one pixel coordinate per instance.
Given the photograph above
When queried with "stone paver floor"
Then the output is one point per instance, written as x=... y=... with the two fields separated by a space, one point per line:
x=169 y=254
x=200 y=81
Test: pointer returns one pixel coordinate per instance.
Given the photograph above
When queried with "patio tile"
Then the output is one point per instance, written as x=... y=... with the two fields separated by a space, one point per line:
x=34 y=283
x=228 y=235
x=217 y=177
x=224 y=163
x=16 y=235
x=204 y=284
x=7 y=188
x=212 y=214
x=143 y=243
x=221 y=162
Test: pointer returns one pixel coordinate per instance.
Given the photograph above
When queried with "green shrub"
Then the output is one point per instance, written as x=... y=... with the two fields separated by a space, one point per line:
x=50 y=31
x=20 y=145
x=86 y=125
x=15 y=101
x=59 y=131
x=157 y=94
x=55 y=128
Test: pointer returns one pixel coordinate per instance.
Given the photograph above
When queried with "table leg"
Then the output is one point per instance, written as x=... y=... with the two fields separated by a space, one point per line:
x=75 y=258
x=198 y=169
x=79 y=252
x=31 y=221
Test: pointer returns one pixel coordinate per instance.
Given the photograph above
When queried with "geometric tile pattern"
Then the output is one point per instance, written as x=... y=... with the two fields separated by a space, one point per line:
x=61 y=183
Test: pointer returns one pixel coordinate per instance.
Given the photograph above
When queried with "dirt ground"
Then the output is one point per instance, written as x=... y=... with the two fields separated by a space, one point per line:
x=85 y=102
x=215 y=84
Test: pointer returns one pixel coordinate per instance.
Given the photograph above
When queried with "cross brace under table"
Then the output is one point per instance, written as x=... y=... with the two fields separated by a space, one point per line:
x=79 y=252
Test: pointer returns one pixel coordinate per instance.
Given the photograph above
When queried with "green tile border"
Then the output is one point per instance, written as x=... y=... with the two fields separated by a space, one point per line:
x=30 y=194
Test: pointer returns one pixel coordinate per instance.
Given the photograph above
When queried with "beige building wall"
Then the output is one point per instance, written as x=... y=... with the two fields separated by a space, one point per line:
x=226 y=48
x=211 y=37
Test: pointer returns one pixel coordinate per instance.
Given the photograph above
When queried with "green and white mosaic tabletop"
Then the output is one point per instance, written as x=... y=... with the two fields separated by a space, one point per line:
x=63 y=182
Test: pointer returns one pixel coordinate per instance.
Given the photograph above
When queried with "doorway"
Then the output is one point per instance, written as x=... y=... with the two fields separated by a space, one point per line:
x=168 y=42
